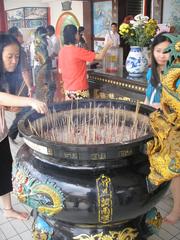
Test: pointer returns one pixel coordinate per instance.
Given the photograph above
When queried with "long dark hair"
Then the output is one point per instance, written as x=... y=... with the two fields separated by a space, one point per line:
x=51 y=29
x=41 y=31
x=5 y=40
x=14 y=31
x=69 y=34
x=155 y=79
x=81 y=30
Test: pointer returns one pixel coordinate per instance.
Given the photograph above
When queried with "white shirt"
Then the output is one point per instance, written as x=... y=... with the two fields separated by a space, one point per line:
x=114 y=37
x=56 y=44
x=55 y=49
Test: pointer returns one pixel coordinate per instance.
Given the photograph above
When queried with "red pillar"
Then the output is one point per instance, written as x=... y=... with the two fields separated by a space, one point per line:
x=49 y=16
x=3 y=25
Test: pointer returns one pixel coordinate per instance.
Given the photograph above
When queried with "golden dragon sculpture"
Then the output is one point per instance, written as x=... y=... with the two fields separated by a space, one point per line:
x=164 y=149
x=41 y=51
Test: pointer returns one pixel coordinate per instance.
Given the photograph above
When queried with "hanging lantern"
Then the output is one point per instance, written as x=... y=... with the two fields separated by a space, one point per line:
x=66 y=5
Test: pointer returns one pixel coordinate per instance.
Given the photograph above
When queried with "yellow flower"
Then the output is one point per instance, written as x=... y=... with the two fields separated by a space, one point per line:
x=139 y=31
x=124 y=26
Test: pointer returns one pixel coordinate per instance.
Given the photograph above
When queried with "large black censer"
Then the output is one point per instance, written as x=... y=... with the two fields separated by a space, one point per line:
x=83 y=170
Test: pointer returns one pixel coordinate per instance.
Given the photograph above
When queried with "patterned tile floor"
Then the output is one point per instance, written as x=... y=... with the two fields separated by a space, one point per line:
x=21 y=230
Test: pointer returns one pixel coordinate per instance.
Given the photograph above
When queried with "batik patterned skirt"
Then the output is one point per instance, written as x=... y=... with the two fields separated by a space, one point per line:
x=74 y=95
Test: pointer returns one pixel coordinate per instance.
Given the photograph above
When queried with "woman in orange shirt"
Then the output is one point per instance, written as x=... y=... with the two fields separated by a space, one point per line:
x=72 y=64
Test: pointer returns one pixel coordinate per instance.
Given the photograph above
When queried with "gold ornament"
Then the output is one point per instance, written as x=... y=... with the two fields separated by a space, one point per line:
x=104 y=192
x=126 y=234
x=156 y=221
x=177 y=46
x=164 y=150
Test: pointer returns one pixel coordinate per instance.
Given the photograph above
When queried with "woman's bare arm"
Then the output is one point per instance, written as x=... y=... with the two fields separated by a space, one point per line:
x=100 y=56
x=10 y=100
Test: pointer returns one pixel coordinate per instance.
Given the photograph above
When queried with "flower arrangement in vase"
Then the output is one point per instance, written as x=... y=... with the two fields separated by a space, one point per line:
x=139 y=31
x=138 y=34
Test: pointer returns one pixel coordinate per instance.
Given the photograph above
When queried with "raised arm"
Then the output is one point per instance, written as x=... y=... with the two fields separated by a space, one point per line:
x=100 y=56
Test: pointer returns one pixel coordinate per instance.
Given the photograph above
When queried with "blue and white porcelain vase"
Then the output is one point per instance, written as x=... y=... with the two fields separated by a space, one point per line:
x=136 y=62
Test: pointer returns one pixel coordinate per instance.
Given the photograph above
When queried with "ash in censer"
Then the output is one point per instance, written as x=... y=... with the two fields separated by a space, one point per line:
x=92 y=125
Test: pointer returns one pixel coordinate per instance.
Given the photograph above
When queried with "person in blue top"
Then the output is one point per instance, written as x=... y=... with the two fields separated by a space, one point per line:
x=158 y=62
x=153 y=96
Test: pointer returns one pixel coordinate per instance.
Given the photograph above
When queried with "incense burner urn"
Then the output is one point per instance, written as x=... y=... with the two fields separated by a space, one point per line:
x=86 y=191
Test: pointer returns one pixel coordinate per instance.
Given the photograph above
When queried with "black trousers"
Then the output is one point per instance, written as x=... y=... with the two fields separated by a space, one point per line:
x=5 y=167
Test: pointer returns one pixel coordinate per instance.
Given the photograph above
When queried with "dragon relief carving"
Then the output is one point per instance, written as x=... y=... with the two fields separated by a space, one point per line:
x=46 y=197
x=164 y=149
x=125 y=234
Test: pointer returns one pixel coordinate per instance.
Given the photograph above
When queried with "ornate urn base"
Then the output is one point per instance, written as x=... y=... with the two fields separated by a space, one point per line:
x=139 y=228
x=86 y=191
